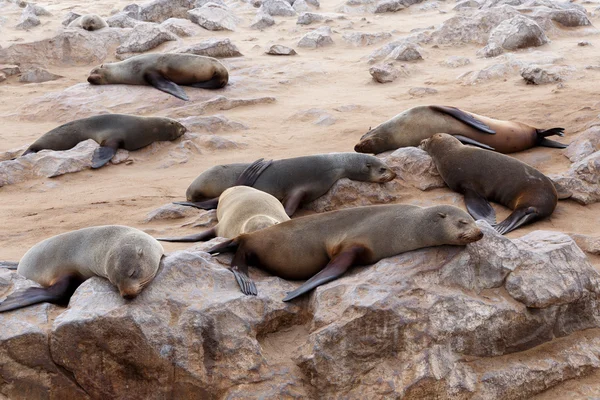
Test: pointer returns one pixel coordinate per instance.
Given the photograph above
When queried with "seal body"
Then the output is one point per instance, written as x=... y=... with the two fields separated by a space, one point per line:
x=412 y=126
x=294 y=180
x=241 y=209
x=163 y=71
x=323 y=246
x=89 y=22
x=127 y=257
x=483 y=175
x=111 y=131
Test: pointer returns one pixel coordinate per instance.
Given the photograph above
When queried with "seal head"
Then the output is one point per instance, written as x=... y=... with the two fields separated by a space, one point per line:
x=368 y=168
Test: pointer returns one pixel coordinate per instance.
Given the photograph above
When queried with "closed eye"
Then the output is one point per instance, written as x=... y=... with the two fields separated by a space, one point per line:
x=462 y=221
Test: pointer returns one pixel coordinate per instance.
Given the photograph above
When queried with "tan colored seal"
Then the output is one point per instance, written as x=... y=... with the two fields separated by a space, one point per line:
x=241 y=209
x=323 y=246
x=412 y=126
x=89 y=22
x=483 y=175
x=111 y=131
x=164 y=71
x=293 y=180
x=127 y=257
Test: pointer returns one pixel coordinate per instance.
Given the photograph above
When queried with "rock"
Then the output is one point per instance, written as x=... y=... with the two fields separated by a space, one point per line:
x=10 y=70
x=387 y=6
x=422 y=91
x=144 y=37
x=570 y=18
x=28 y=19
x=213 y=18
x=212 y=124
x=215 y=47
x=161 y=10
x=466 y=4
x=133 y=11
x=180 y=27
x=213 y=142
x=262 y=21
x=516 y=33
x=359 y=39
x=300 y=6
x=316 y=116
x=70 y=17
x=584 y=43
x=456 y=62
x=2 y=76
x=277 y=8
x=48 y=163
x=387 y=49
x=502 y=70
x=38 y=75
x=582 y=179
x=69 y=48
x=586 y=143
x=122 y=20
x=542 y=74
x=314 y=3
x=319 y=37
x=279 y=50
x=406 y=52
x=172 y=211
x=308 y=18
x=384 y=73
x=414 y=169
x=37 y=10
x=587 y=243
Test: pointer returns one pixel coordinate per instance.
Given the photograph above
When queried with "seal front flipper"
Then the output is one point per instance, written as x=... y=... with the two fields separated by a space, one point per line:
x=465 y=118
x=105 y=153
x=58 y=293
x=334 y=269
x=252 y=172
x=203 y=205
x=466 y=140
x=239 y=267
x=161 y=83
x=479 y=207
x=518 y=218
x=199 y=237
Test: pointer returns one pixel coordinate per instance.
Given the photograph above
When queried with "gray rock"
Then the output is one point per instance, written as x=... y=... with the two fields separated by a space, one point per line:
x=10 y=70
x=172 y=211
x=122 y=20
x=213 y=18
x=38 y=75
x=584 y=43
x=516 y=33
x=262 y=21
x=319 y=37
x=422 y=91
x=387 y=6
x=570 y=18
x=37 y=10
x=70 y=17
x=582 y=180
x=215 y=47
x=315 y=115
x=589 y=244
x=213 y=143
x=161 y=10
x=277 y=8
x=279 y=50
x=384 y=73
x=508 y=67
x=300 y=6
x=145 y=37
x=308 y=18
x=212 y=124
x=359 y=39
x=180 y=27
x=466 y=4
x=406 y=52
x=28 y=20
x=456 y=62
x=586 y=143
x=543 y=74
x=2 y=76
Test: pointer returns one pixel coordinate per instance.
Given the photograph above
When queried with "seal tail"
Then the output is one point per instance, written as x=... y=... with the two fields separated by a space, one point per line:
x=253 y=172
x=59 y=293
x=9 y=264
x=542 y=134
x=228 y=246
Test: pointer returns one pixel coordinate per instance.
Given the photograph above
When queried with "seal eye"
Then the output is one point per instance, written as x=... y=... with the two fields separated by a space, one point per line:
x=442 y=215
x=462 y=221
x=132 y=273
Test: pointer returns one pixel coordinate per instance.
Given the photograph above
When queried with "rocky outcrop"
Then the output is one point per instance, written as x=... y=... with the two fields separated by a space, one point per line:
x=586 y=143
x=144 y=37
x=214 y=17
x=582 y=180
x=516 y=33
x=543 y=74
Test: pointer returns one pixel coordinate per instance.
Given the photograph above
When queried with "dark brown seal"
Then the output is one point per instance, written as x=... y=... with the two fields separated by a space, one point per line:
x=323 y=246
x=412 y=126
x=293 y=180
x=165 y=72
x=111 y=131
x=483 y=175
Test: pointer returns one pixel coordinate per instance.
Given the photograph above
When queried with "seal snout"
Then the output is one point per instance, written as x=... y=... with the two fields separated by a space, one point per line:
x=471 y=235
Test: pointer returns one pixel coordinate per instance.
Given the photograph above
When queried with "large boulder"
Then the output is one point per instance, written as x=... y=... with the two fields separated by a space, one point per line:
x=144 y=37
x=586 y=143
x=215 y=47
x=516 y=33
x=214 y=18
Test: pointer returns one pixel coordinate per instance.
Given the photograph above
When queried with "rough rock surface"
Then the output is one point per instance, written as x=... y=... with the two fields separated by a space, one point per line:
x=585 y=144
x=212 y=124
x=262 y=21
x=424 y=324
x=215 y=47
x=359 y=39
x=180 y=27
x=582 y=179
x=308 y=18
x=320 y=37
x=406 y=52
x=38 y=75
x=456 y=62
x=28 y=19
x=516 y=33
x=543 y=74
x=386 y=72
x=145 y=37
x=422 y=91
x=172 y=211
x=214 y=18
x=161 y=10
x=122 y=20
x=587 y=243
x=276 y=8
x=280 y=50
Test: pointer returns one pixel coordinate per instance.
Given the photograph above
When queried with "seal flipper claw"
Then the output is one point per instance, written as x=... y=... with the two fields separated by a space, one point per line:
x=161 y=83
x=104 y=153
x=466 y=140
x=252 y=172
x=58 y=293
x=518 y=218
x=203 y=205
x=334 y=269
x=542 y=134
x=465 y=118
x=479 y=207
x=199 y=237
x=239 y=267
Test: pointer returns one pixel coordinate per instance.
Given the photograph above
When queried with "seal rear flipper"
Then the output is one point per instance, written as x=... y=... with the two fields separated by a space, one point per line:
x=105 y=153
x=541 y=133
x=199 y=237
x=292 y=202
x=551 y=143
x=466 y=140
x=479 y=207
x=28 y=151
x=333 y=270
x=465 y=118
x=239 y=267
x=216 y=82
x=227 y=246
x=161 y=83
x=252 y=172
x=203 y=205
x=59 y=293
x=518 y=218
x=9 y=264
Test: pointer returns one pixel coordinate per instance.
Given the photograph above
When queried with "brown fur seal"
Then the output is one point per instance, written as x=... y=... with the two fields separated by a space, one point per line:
x=165 y=72
x=89 y=22
x=412 y=126
x=292 y=180
x=483 y=175
x=323 y=246
x=241 y=209
x=127 y=257
x=111 y=131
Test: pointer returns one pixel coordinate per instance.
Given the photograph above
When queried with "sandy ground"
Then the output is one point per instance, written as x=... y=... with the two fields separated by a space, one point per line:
x=327 y=79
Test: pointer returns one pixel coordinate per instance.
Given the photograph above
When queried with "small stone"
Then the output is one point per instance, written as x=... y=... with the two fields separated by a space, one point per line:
x=262 y=21
x=584 y=43
x=365 y=39
x=543 y=74
x=422 y=91
x=277 y=8
x=279 y=50
x=38 y=75
x=456 y=62
x=406 y=52
x=320 y=37
x=10 y=70
x=384 y=73
x=145 y=37
x=215 y=47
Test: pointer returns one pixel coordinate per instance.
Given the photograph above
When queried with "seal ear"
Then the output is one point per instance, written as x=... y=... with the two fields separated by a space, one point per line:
x=140 y=251
x=442 y=215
